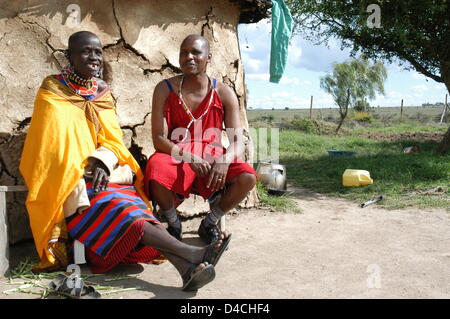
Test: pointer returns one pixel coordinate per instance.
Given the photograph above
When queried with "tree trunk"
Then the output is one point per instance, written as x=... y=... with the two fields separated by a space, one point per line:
x=444 y=145
x=343 y=110
x=340 y=124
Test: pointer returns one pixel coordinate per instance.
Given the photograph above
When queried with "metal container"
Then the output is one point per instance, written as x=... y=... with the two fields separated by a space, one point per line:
x=272 y=176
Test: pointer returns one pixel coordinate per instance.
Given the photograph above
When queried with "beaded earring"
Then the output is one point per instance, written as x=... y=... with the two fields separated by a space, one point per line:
x=66 y=55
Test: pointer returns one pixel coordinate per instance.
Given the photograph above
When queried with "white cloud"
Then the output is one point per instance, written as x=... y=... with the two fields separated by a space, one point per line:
x=294 y=52
x=319 y=58
x=294 y=81
x=254 y=64
x=394 y=94
x=325 y=100
x=258 y=76
x=290 y=81
x=420 y=88
x=282 y=94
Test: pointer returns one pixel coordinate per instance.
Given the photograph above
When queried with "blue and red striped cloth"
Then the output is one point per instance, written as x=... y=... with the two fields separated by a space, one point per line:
x=112 y=213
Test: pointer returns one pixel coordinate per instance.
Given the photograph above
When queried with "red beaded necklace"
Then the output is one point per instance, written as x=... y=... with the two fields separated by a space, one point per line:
x=78 y=84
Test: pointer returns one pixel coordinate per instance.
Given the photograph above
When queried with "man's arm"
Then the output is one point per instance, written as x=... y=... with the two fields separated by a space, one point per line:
x=234 y=131
x=159 y=131
x=233 y=124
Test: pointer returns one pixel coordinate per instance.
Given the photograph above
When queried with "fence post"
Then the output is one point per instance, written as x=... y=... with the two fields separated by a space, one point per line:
x=401 y=110
x=310 y=108
x=445 y=109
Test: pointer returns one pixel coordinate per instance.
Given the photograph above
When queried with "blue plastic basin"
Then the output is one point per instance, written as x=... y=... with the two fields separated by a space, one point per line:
x=337 y=153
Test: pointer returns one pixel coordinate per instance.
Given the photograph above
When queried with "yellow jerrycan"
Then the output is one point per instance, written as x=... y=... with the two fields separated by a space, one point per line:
x=356 y=177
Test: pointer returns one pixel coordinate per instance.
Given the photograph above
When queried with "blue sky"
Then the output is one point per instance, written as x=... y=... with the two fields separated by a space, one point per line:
x=307 y=63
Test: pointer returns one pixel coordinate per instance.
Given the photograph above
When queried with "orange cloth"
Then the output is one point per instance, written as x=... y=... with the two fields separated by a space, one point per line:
x=64 y=130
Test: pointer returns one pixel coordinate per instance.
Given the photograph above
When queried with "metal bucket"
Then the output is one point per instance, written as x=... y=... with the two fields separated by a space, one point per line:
x=272 y=176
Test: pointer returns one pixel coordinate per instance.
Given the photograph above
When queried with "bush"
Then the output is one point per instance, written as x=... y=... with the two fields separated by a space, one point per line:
x=304 y=125
x=363 y=117
x=361 y=105
x=267 y=118
x=331 y=118
x=421 y=117
x=310 y=126
x=259 y=124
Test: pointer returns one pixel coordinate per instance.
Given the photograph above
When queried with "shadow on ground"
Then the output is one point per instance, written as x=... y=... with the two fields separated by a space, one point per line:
x=25 y=251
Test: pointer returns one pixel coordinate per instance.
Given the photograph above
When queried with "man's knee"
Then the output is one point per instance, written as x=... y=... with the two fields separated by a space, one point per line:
x=246 y=181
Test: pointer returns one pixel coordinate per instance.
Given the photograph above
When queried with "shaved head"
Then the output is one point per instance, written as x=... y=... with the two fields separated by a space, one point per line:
x=194 y=54
x=203 y=40
x=80 y=36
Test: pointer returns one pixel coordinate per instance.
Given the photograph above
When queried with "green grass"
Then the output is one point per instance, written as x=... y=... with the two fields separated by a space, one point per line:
x=276 y=202
x=403 y=178
x=414 y=112
x=405 y=126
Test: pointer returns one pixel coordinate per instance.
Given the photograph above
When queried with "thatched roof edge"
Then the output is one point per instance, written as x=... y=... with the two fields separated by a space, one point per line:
x=253 y=11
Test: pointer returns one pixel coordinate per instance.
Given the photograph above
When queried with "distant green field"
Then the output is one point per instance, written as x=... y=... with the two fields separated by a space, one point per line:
x=423 y=114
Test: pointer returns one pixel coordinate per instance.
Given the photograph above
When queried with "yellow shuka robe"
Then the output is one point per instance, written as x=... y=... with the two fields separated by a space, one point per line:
x=64 y=130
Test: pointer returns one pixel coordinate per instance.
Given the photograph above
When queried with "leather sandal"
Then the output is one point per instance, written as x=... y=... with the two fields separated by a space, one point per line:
x=66 y=286
x=213 y=254
x=195 y=279
x=209 y=234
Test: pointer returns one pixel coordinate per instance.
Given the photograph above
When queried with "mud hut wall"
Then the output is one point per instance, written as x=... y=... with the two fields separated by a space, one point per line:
x=140 y=40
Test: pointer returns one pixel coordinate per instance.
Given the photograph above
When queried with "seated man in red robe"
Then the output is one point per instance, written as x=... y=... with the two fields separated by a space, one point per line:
x=190 y=157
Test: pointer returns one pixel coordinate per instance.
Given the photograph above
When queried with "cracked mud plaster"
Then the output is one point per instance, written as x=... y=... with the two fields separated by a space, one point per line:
x=134 y=67
x=207 y=25
x=147 y=69
x=122 y=38
x=53 y=50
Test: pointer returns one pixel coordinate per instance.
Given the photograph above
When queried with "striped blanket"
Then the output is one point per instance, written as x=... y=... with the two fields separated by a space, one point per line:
x=111 y=214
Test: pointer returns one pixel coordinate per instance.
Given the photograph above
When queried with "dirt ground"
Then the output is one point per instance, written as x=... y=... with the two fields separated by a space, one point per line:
x=333 y=249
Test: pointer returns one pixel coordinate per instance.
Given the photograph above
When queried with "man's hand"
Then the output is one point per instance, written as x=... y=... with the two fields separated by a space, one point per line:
x=217 y=176
x=199 y=166
x=100 y=175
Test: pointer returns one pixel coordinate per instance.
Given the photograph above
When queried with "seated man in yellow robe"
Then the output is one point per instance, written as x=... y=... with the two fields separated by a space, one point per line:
x=85 y=186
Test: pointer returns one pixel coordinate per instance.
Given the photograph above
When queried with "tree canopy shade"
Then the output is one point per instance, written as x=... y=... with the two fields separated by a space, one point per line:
x=416 y=33
x=353 y=81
